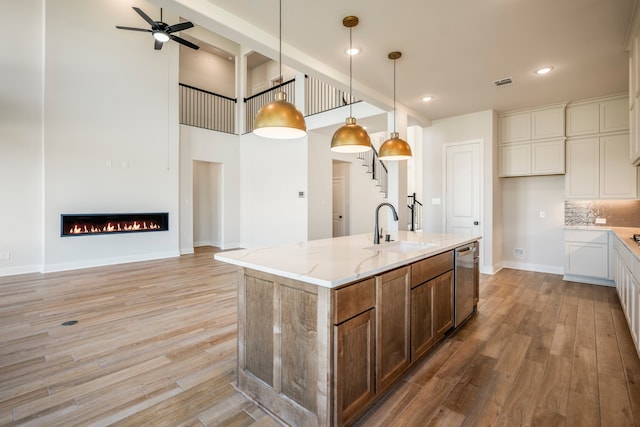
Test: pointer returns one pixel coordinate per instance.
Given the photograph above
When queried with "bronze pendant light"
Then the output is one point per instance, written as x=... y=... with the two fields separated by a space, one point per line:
x=350 y=137
x=280 y=119
x=395 y=148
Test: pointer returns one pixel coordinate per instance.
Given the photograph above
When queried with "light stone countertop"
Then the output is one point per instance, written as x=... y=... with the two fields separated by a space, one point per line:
x=335 y=262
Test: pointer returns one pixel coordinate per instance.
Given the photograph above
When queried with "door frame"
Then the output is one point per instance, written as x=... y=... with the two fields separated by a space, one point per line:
x=481 y=171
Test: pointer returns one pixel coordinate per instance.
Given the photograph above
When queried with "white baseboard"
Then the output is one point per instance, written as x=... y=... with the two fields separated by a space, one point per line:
x=588 y=280
x=540 y=268
x=186 y=251
x=21 y=269
x=109 y=261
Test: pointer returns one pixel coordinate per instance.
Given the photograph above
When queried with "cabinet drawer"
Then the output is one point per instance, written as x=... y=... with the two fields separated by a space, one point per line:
x=586 y=236
x=427 y=269
x=353 y=300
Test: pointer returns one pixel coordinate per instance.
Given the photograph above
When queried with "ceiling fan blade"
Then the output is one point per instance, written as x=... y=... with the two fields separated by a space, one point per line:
x=157 y=45
x=184 y=42
x=179 y=27
x=132 y=29
x=144 y=16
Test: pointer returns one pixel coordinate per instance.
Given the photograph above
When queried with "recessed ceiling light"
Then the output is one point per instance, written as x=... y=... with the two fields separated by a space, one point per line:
x=427 y=98
x=352 y=51
x=544 y=70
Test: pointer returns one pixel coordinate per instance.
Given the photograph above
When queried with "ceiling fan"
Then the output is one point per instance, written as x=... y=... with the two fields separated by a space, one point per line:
x=161 y=31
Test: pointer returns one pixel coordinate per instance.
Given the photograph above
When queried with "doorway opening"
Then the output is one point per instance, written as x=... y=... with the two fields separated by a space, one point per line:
x=207 y=204
x=340 y=198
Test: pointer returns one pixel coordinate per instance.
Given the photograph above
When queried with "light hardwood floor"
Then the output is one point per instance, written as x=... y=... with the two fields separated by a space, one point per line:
x=155 y=344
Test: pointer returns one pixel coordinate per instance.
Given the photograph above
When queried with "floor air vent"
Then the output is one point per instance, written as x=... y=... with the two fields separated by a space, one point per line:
x=503 y=82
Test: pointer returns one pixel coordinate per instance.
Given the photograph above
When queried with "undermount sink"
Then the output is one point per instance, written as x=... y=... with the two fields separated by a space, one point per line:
x=402 y=246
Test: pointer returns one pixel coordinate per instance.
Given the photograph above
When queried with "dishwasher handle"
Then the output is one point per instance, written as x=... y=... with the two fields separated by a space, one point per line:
x=465 y=251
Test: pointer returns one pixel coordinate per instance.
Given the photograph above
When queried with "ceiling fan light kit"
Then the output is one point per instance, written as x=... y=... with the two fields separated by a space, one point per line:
x=161 y=31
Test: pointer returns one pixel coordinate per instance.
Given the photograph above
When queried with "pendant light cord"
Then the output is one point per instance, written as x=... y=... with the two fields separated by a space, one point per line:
x=350 y=72
x=280 y=35
x=394 y=96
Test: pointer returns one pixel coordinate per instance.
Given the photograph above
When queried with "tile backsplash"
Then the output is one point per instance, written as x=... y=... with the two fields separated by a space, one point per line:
x=618 y=213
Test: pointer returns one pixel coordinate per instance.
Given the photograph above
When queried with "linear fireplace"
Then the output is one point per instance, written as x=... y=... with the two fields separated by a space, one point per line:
x=109 y=223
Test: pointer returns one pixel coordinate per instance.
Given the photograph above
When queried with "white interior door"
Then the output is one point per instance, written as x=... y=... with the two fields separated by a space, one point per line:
x=462 y=189
x=338 y=207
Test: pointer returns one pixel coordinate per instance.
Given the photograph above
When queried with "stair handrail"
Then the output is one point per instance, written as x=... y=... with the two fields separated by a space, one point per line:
x=415 y=208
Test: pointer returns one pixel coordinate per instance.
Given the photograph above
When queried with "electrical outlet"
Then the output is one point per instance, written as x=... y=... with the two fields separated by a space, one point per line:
x=518 y=253
x=435 y=201
x=542 y=214
x=5 y=256
x=601 y=220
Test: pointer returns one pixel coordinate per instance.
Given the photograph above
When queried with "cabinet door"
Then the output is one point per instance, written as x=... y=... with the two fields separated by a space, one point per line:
x=583 y=169
x=634 y=134
x=354 y=366
x=586 y=259
x=547 y=123
x=443 y=303
x=618 y=178
x=583 y=119
x=515 y=160
x=516 y=127
x=547 y=158
x=392 y=326
x=614 y=115
x=422 y=331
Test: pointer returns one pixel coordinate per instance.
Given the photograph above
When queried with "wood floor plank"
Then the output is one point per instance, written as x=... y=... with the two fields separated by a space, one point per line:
x=156 y=345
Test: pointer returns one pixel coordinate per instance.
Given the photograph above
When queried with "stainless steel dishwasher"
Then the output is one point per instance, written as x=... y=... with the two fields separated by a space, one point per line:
x=466 y=264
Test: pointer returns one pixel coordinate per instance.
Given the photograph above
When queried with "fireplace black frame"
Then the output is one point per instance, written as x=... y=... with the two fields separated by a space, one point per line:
x=100 y=220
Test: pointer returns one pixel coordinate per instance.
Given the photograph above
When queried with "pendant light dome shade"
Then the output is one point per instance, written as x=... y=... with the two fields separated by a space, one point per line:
x=350 y=137
x=280 y=119
x=395 y=148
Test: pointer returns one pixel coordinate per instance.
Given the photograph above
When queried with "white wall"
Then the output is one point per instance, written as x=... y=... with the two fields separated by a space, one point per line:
x=468 y=127
x=541 y=238
x=260 y=77
x=207 y=71
x=320 y=171
x=207 y=204
x=111 y=131
x=99 y=136
x=273 y=172
x=364 y=195
x=21 y=114
x=221 y=148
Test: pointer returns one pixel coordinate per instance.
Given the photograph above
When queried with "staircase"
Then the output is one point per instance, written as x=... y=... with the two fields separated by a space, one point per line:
x=376 y=168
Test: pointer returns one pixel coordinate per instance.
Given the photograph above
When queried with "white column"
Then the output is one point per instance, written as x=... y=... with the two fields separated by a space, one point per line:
x=397 y=195
x=241 y=89
x=300 y=83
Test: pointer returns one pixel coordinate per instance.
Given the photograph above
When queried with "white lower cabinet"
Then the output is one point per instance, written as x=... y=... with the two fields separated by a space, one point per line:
x=587 y=256
x=627 y=279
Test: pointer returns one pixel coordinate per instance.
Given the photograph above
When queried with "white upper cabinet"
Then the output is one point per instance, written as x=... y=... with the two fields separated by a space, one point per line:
x=614 y=115
x=515 y=128
x=583 y=119
x=598 y=168
x=547 y=123
x=592 y=117
x=532 y=142
x=618 y=179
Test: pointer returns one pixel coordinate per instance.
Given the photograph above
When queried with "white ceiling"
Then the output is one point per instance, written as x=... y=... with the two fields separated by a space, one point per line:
x=452 y=49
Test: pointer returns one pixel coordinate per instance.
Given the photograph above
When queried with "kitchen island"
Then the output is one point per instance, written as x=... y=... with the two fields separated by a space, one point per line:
x=325 y=327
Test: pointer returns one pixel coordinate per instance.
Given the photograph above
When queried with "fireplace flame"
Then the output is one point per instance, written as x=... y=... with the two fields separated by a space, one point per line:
x=114 y=227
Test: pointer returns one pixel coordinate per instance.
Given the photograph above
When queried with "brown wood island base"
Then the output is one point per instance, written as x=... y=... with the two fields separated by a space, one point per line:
x=320 y=356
